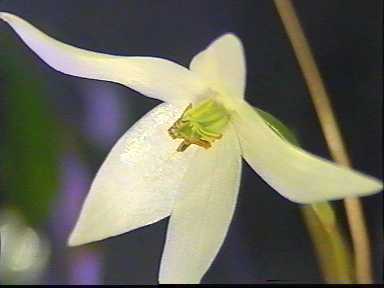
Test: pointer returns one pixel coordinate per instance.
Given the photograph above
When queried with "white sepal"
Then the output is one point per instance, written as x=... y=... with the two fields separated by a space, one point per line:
x=222 y=66
x=154 y=77
x=294 y=173
x=136 y=184
x=203 y=211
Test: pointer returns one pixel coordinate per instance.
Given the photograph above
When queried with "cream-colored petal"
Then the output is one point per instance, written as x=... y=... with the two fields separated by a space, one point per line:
x=202 y=213
x=154 y=77
x=294 y=173
x=135 y=185
x=222 y=65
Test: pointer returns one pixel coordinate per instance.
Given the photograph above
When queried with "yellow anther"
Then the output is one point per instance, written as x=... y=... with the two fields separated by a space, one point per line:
x=200 y=125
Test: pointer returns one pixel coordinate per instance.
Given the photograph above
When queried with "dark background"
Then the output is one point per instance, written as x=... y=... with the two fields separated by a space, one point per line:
x=267 y=239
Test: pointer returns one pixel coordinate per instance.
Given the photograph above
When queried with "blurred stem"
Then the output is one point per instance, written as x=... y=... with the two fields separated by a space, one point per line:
x=331 y=132
x=331 y=249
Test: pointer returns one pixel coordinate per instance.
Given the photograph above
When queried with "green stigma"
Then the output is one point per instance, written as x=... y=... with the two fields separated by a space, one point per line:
x=200 y=125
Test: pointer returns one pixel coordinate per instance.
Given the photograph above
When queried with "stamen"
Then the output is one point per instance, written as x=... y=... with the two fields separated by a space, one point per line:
x=200 y=125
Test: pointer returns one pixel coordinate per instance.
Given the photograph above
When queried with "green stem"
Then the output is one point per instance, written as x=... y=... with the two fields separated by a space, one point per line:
x=332 y=252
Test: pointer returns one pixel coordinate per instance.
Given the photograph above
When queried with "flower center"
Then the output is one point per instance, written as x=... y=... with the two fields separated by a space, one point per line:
x=200 y=125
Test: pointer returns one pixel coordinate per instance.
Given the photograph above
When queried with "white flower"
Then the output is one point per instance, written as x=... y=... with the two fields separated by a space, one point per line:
x=145 y=176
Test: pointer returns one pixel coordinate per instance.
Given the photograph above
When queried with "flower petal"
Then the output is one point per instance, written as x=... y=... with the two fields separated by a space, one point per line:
x=135 y=185
x=154 y=77
x=222 y=64
x=203 y=211
x=294 y=173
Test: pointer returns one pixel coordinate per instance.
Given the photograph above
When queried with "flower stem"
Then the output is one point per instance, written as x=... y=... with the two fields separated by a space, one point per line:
x=331 y=132
x=331 y=249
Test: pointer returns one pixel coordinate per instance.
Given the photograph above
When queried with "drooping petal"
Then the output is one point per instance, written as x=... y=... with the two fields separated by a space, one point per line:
x=294 y=173
x=203 y=211
x=222 y=65
x=135 y=185
x=154 y=77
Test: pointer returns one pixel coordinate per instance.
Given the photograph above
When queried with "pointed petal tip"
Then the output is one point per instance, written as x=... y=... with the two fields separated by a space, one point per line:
x=365 y=186
x=72 y=241
x=5 y=16
x=229 y=36
x=75 y=239
x=79 y=237
x=81 y=234
x=8 y=17
x=377 y=185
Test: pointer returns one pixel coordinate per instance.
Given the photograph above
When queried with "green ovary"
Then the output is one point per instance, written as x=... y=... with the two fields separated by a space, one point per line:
x=200 y=125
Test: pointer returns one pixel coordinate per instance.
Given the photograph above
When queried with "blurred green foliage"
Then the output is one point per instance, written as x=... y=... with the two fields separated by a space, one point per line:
x=29 y=145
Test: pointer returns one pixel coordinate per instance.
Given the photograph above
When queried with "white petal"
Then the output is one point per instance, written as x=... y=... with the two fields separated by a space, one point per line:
x=154 y=77
x=202 y=213
x=222 y=65
x=135 y=186
x=294 y=173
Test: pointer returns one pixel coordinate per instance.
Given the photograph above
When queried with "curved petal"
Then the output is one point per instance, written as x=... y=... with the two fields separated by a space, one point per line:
x=154 y=77
x=222 y=64
x=135 y=185
x=294 y=173
x=202 y=213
